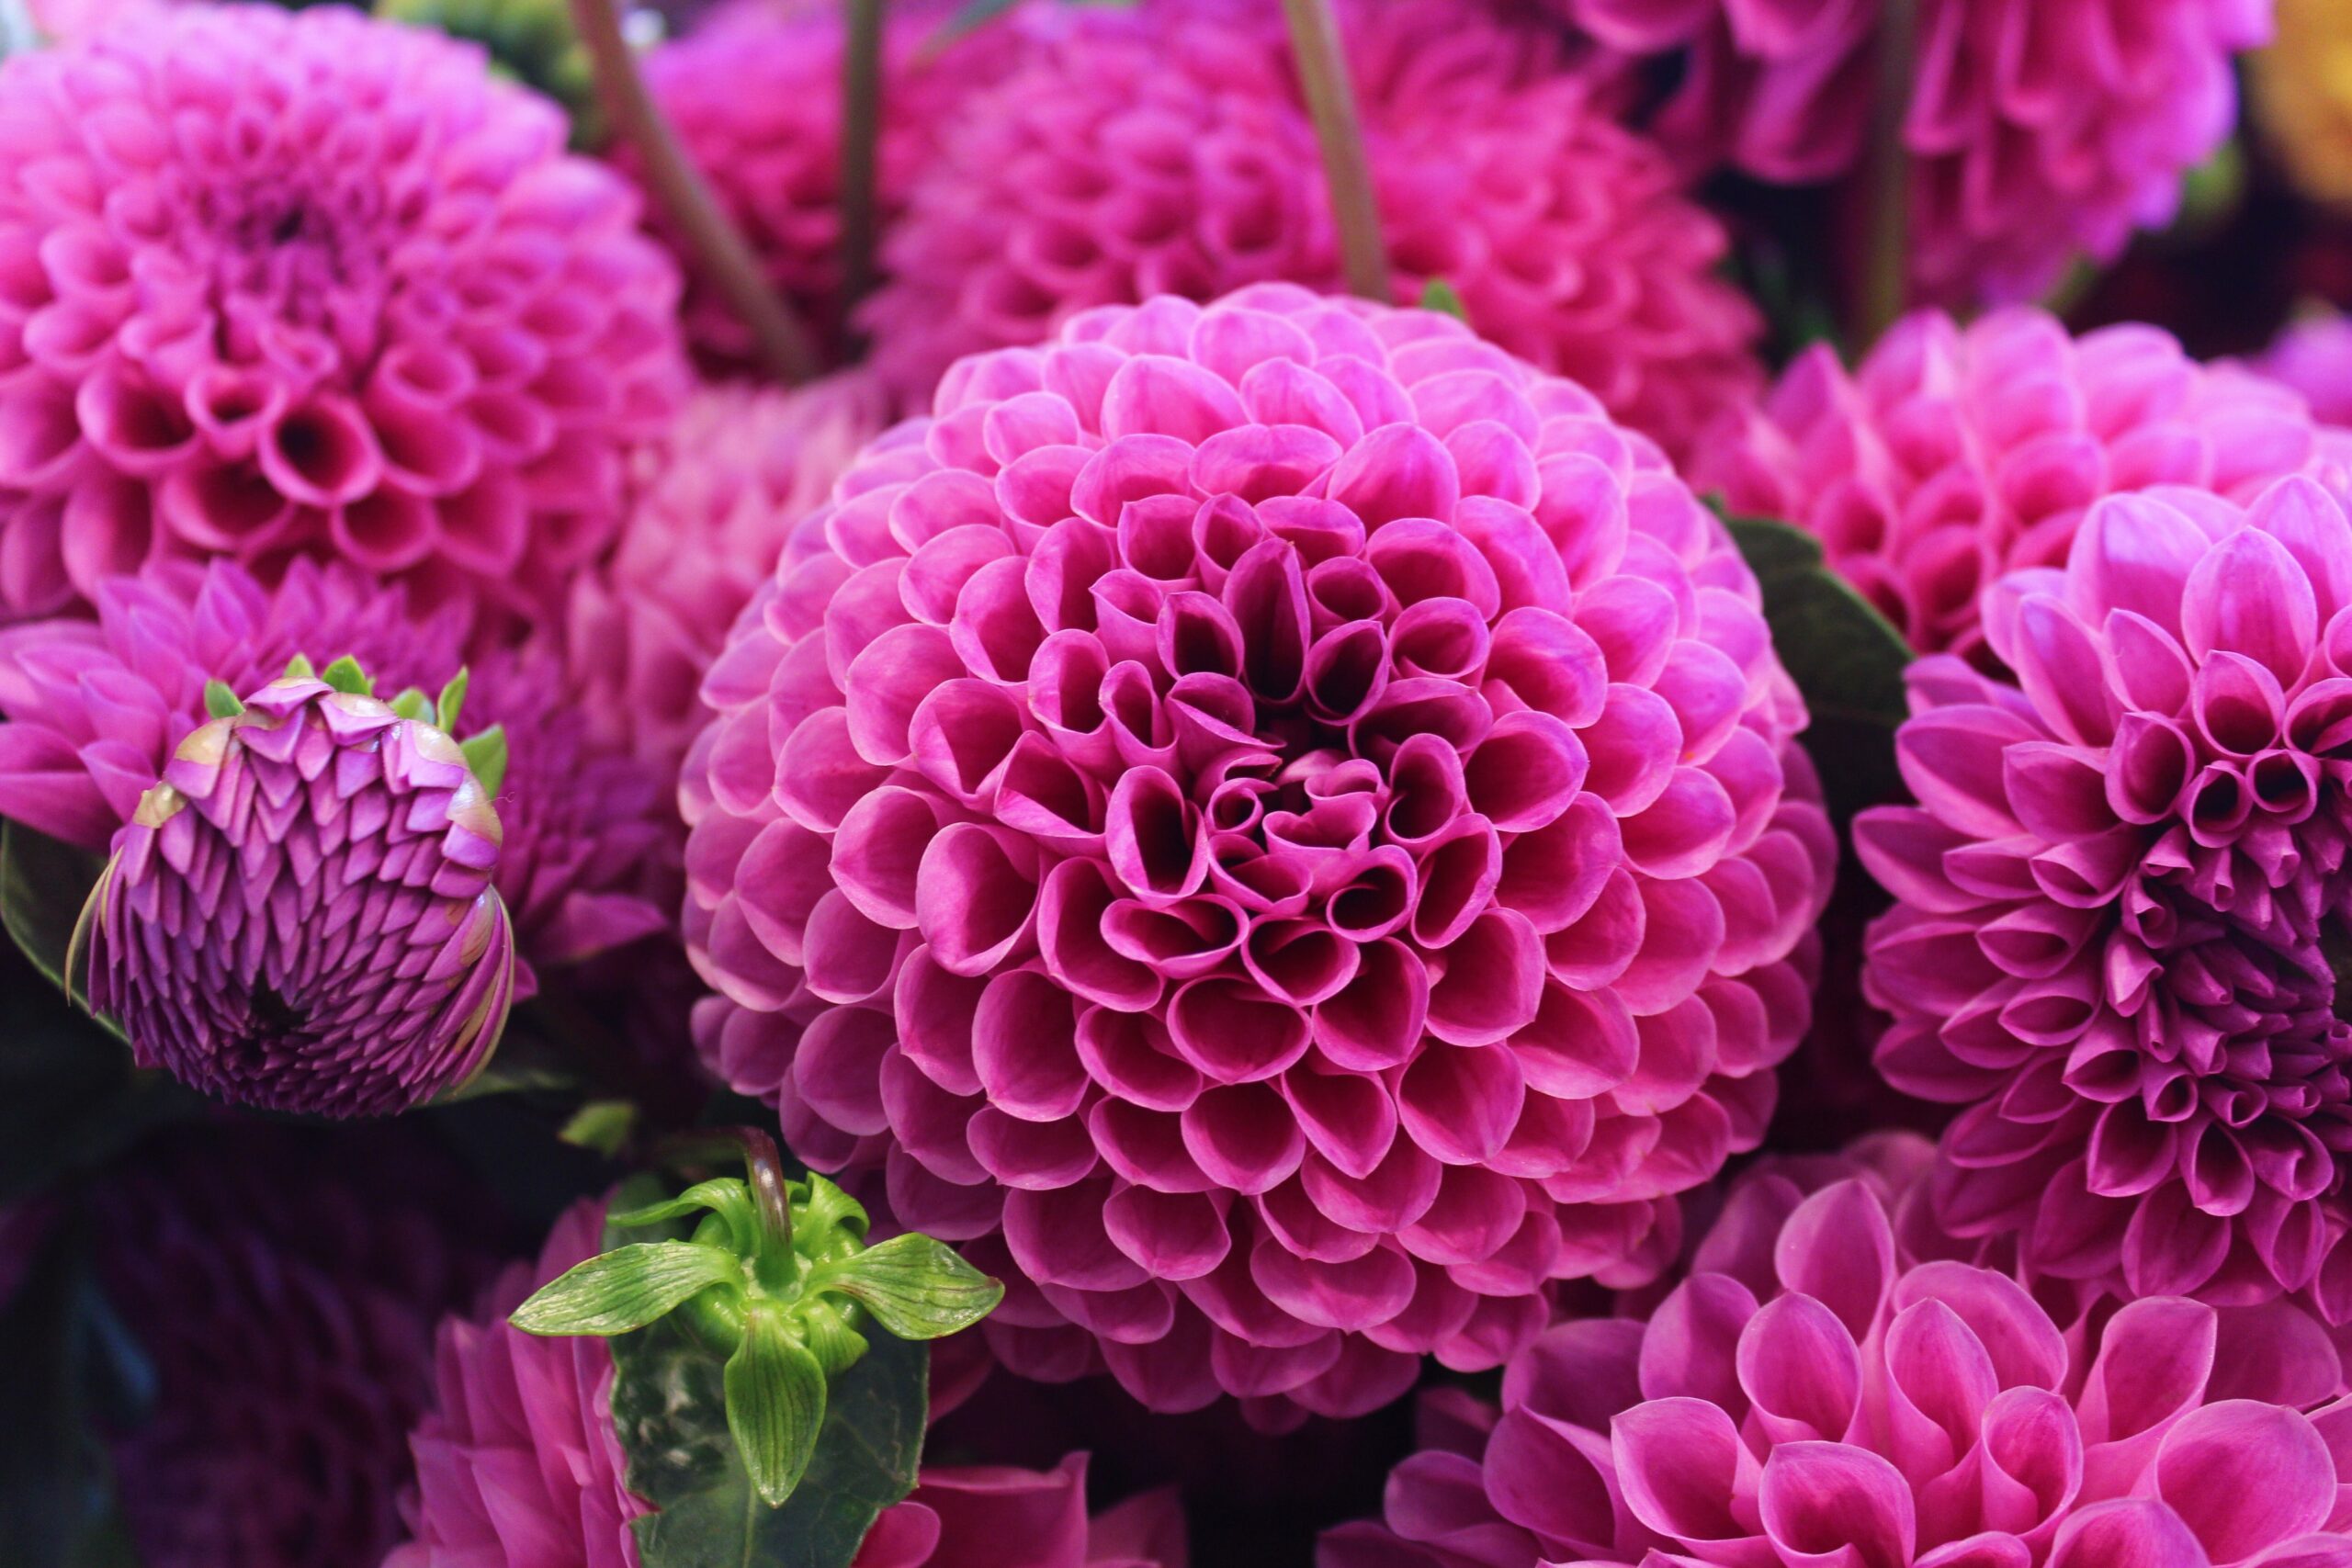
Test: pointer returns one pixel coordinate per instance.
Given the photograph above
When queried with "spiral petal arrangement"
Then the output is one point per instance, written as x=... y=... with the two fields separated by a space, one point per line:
x=2119 y=904
x=277 y=284
x=1278 y=823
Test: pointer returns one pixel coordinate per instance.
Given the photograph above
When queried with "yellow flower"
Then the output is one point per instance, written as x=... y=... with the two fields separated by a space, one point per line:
x=2302 y=96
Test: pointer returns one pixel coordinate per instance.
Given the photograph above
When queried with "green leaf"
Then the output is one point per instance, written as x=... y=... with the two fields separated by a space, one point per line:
x=300 y=668
x=44 y=885
x=624 y=1289
x=729 y=1197
x=602 y=1125
x=1847 y=660
x=412 y=703
x=221 y=702
x=345 y=675
x=452 y=702
x=486 y=755
x=1439 y=295
x=914 y=1286
x=775 y=1403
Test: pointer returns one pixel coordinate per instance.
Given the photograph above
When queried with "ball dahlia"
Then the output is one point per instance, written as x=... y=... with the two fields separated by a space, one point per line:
x=1276 y=822
x=2036 y=129
x=518 y=1466
x=1164 y=149
x=1809 y=1395
x=1955 y=454
x=91 y=713
x=283 y=1284
x=2119 y=901
x=715 y=501
x=345 y=296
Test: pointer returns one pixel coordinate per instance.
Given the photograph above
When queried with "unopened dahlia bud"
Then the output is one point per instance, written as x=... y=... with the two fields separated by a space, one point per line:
x=299 y=915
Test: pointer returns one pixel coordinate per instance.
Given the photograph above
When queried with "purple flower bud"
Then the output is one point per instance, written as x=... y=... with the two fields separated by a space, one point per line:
x=300 y=916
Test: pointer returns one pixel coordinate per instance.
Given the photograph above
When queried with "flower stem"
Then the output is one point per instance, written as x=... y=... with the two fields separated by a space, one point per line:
x=765 y=1169
x=1339 y=129
x=1879 y=301
x=719 y=251
x=861 y=141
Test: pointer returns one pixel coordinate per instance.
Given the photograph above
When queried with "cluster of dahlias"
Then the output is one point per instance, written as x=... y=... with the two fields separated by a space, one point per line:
x=1183 y=640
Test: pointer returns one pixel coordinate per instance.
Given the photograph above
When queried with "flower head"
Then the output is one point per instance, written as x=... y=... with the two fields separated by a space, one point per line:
x=1163 y=149
x=2303 y=100
x=299 y=914
x=2314 y=357
x=716 y=501
x=348 y=297
x=92 y=712
x=999 y=1517
x=1810 y=1394
x=1278 y=817
x=1955 y=454
x=2120 y=899
x=282 y=1284
x=2034 y=134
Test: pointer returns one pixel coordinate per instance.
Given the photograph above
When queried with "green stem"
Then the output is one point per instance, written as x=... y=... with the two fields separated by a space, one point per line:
x=1879 y=301
x=861 y=141
x=1339 y=129
x=720 y=252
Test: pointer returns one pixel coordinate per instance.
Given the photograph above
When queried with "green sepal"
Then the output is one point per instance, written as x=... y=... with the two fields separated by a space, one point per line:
x=1440 y=295
x=602 y=1125
x=300 y=668
x=414 y=704
x=832 y=1338
x=219 y=702
x=828 y=1207
x=486 y=755
x=913 y=1285
x=624 y=1289
x=452 y=701
x=728 y=1196
x=775 y=1403
x=346 y=676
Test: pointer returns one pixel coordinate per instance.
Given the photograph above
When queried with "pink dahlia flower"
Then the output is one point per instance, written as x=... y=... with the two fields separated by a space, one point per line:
x=1164 y=150
x=2038 y=128
x=2314 y=357
x=92 y=711
x=754 y=91
x=998 y=1517
x=716 y=501
x=1808 y=1396
x=1278 y=823
x=517 y=1464
x=1956 y=454
x=2119 y=900
x=347 y=297
x=283 y=1284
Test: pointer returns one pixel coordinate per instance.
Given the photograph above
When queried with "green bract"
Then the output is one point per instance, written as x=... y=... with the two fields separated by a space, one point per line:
x=785 y=1291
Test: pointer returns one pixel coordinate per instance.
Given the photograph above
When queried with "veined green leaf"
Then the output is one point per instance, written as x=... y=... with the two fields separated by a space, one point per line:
x=626 y=1288
x=775 y=1404
x=914 y=1286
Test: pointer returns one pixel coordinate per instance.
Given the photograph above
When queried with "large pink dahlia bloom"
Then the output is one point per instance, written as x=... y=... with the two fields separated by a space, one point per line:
x=1955 y=454
x=1000 y=1517
x=2120 y=899
x=282 y=1284
x=1809 y=1396
x=2036 y=129
x=92 y=711
x=2314 y=357
x=276 y=285
x=1164 y=150
x=715 y=500
x=1276 y=822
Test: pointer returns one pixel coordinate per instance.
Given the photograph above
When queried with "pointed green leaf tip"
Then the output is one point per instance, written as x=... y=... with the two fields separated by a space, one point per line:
x=624 y=1289
x=345 y=675
x=486 y=755
x=415 y=705
x=452 y=701
x=915 y=1287
x=775 y=1403
x=602 y=1125
x=219 y=702
x=1439 y=295
x=300 y=668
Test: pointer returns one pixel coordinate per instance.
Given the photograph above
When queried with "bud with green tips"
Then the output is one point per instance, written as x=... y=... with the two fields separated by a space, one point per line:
x=776 y=1277
x=300 y=916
